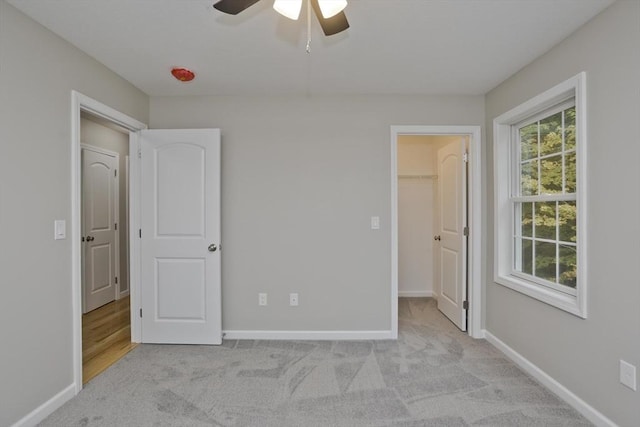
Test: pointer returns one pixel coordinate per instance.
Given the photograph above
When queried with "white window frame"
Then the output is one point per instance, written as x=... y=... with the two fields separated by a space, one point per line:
x=504 y=182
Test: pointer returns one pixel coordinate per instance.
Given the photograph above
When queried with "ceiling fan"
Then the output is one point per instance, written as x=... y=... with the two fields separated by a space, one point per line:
x=329 y=12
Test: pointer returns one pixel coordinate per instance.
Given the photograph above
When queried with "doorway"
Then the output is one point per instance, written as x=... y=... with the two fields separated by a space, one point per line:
x=125 y=295
x=106 y=320
x=460 y=252
x=157 y=152
x=420 y=203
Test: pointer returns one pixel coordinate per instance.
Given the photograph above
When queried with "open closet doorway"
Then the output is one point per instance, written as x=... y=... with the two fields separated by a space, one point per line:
x=432 y=216
x=106 y=308
x=436 y=219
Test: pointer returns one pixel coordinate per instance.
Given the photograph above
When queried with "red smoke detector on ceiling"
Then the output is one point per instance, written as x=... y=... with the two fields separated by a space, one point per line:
x=183 y=74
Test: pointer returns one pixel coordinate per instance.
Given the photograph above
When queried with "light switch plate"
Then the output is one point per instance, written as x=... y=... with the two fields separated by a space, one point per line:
x=375 y=222
x=59 y=229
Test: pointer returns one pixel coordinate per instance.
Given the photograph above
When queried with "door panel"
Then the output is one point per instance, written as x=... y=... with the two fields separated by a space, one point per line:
x=101 y=267
x=181 y=185
x=449 y=269
x=450 y=192
x=452 y=195
x=181 y=277
x=99 y=192
x=181 y=289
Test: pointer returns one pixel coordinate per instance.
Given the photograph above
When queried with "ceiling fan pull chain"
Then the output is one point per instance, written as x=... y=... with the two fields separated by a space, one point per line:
x=308 y=26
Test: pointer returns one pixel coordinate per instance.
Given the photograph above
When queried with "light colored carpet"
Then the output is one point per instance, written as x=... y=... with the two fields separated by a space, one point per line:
x=433 y=375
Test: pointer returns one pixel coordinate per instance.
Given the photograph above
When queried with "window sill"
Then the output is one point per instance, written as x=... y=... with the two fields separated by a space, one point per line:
x=561 y=300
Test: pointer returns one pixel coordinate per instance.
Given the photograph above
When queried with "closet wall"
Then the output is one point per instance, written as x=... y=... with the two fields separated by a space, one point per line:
x=416 y=209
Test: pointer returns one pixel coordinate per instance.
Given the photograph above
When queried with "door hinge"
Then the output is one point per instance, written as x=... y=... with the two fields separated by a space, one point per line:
x=140 y=232
x=116 y=280
x=115 y=172
x=466 y=231
x=116 y=226
x=465 y=305
x=465 y=157
x=140 y=312
x=139 y=153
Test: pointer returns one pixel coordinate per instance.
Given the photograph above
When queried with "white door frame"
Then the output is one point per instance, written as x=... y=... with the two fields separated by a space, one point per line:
x=116 y=217
x=79 y=103
x=474 y=191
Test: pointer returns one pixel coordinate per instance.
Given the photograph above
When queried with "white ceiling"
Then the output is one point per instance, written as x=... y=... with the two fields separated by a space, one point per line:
x=392 y=47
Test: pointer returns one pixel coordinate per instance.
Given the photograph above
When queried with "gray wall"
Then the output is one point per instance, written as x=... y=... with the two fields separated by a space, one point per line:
x=98 y=135
x=301 y=177
x=38 y=70
x=582 y=354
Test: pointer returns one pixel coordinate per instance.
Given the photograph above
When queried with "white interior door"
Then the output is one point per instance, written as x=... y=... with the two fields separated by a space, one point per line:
x=99 y=210
x=180 y=255
x=451 y=240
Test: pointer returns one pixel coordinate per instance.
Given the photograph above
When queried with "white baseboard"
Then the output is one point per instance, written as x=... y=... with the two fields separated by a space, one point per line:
x=415 y=294
x=308 y=335
x=47 y=408
x=545 y=379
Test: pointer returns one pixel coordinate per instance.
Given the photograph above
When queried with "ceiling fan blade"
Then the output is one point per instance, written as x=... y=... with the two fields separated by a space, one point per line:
x=333 y=25
x=234 y=7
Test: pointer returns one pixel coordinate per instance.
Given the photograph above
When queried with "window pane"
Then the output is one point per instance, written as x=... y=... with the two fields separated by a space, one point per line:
x=551 y=134
x=568 y=266
x=523 y=255
x=546 y=261
x=529 y=178
x=527 y=256
x=570 y=128
x=567 y=221
x=529 y=141
x=551 y=171
x=570 y=172
x=545 y=220
x=527 y=219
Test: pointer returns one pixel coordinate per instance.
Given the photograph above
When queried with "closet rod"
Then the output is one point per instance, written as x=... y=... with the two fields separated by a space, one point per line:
x=418 y=176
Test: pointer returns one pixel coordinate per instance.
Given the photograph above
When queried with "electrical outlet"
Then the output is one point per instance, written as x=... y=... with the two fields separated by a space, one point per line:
x=262 y=299
x=293 y=299
x=628 y=375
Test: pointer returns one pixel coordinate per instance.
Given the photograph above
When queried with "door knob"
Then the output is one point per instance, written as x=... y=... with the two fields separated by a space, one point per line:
x=436 y=238
x=212 y=247
x=90 y=238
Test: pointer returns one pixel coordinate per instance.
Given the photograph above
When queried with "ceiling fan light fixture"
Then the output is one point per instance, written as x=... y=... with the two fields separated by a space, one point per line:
x=288 y=8
x=331 y=8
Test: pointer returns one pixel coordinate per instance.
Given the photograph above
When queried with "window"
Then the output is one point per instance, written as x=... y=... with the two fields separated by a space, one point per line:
x=539 y=161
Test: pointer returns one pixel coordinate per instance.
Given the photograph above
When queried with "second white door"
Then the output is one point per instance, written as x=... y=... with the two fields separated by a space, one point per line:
x=99 y=211
x=451 y=238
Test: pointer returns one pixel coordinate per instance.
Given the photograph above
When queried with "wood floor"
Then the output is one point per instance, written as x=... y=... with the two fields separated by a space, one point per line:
x=106 y=337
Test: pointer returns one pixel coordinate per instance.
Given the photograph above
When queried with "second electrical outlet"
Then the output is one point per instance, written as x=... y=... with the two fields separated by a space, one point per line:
x=293 y=299
x=262 y=299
